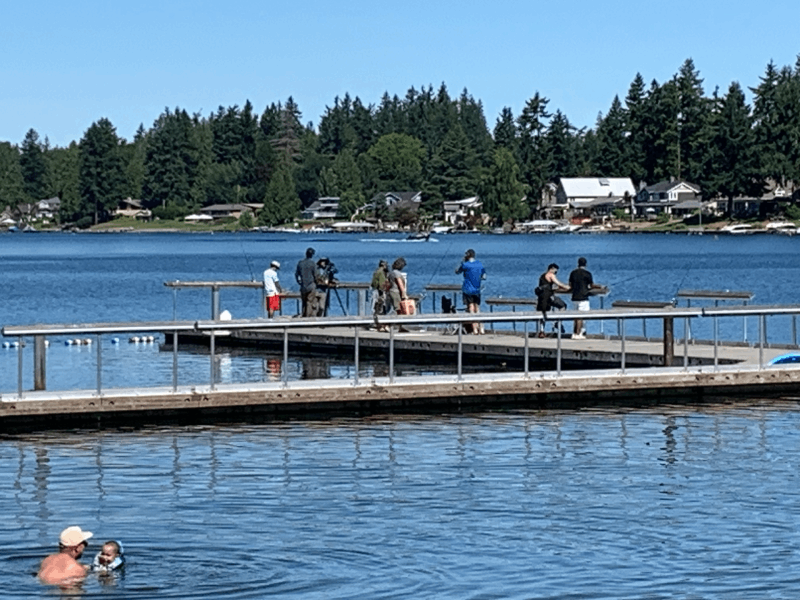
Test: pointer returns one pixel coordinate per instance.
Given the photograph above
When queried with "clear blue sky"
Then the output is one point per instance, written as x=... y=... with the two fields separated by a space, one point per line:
x=65 y=64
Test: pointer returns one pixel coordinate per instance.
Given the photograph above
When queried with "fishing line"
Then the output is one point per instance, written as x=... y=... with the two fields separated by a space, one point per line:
x=439 y=264
x=247 y=258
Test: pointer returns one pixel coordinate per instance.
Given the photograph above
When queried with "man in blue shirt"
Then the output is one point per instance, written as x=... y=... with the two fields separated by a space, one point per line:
x=474 y=273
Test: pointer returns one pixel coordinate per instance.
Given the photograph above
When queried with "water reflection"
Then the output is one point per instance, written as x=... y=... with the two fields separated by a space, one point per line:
x=606 y=503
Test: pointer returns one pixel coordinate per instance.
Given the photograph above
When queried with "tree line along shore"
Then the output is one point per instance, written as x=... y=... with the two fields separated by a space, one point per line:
x=427 y=140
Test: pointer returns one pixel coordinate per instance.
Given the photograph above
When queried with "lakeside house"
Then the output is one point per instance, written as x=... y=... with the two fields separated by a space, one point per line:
x=324 y=209
x=392 y=202
x=134 y=209
x=230 y=211
x=456 y=211
x=674 y=198
x=586 y=197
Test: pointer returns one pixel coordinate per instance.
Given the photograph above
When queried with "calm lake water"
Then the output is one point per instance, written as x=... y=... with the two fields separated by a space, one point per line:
x=674 y=502
x=678 y=502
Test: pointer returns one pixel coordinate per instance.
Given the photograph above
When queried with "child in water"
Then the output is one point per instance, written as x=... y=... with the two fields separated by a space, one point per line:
x=110 y=558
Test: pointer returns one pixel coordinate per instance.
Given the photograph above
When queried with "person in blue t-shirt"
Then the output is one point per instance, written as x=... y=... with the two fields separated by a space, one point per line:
x=474 y=274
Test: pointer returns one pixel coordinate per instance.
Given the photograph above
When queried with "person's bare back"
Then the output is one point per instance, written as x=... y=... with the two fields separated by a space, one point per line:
x=60 y=569
x=63 y=568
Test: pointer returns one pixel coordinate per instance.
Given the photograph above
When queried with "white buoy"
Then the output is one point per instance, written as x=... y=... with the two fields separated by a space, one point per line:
x=115 y=340
x=134 y=339
x=6 y=344
x=47 y=343
x=88 y=341
x=68 y=342
x=151 y=339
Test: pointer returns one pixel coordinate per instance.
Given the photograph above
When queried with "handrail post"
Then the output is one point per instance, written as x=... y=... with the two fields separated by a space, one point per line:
x=175 y=361
x=215 y=303
x=355 y=339
x=685 y=344
x=527 y=349
x=39 y=363
x=460 y=340
x=559 y=327
x=621 y=330
x=19 y=367
x=212 y=356
x=794 y=330
x=175 y=304
x=99 y=366
x=285 y=364
x=391 y=354
x=716 y=343
x=762 y=326
x=669 y=341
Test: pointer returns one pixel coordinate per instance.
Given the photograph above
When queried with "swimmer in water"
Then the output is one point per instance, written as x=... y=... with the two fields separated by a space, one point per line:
x=109 y=558
x=63 y=567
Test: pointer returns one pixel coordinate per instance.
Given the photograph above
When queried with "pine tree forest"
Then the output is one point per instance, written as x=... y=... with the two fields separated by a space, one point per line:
x=427 y=140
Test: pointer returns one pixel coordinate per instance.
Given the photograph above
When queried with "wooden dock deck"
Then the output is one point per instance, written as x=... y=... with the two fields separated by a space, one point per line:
x=433 y=346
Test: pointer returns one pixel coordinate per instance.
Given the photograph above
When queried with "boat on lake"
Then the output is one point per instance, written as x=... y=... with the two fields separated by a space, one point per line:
x=738 y=229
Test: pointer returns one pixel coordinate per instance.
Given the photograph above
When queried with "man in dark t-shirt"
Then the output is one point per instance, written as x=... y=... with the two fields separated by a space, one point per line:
x=580 y=282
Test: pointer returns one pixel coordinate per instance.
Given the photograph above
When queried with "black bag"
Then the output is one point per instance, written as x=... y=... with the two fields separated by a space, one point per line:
x=538 y=291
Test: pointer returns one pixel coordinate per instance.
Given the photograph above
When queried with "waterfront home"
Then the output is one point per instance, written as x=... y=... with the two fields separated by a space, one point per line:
x=459 y=210
x=590 y=196
x=326 y=208
x=666 y=196
x=392 y=202
x=132 y=208
x=230 y=211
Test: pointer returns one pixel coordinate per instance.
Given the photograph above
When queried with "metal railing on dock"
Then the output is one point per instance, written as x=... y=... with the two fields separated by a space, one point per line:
x=215 y=286
x=213 y=328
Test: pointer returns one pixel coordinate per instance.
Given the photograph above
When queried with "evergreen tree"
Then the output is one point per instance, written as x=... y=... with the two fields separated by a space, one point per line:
x=635 y=144
x=281 y=203
x=63 y=178
x=736 y=161
x=336 y=131
x=11 y=182
x=343 y=180
x=660 y=132
x=396 y=163
x=310 y=165
x=289 y=131
x=177 y=160
x=389 y=116
x=611 y=142
x=454 y=170
x=505 y=131
x=502 y=191
x=473 y=122
x=363 y=126
x=33 y=166
x=101 y=172
x=693 y=131
x=533 y=152
x=135 y=155
x=562 y=145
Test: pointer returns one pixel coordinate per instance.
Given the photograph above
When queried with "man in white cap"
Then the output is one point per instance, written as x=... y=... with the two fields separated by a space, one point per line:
x=272 y=288
x=63 y=567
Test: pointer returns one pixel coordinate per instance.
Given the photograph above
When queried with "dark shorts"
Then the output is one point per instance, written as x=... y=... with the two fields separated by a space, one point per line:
x=556 y=302
x=471 y=299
